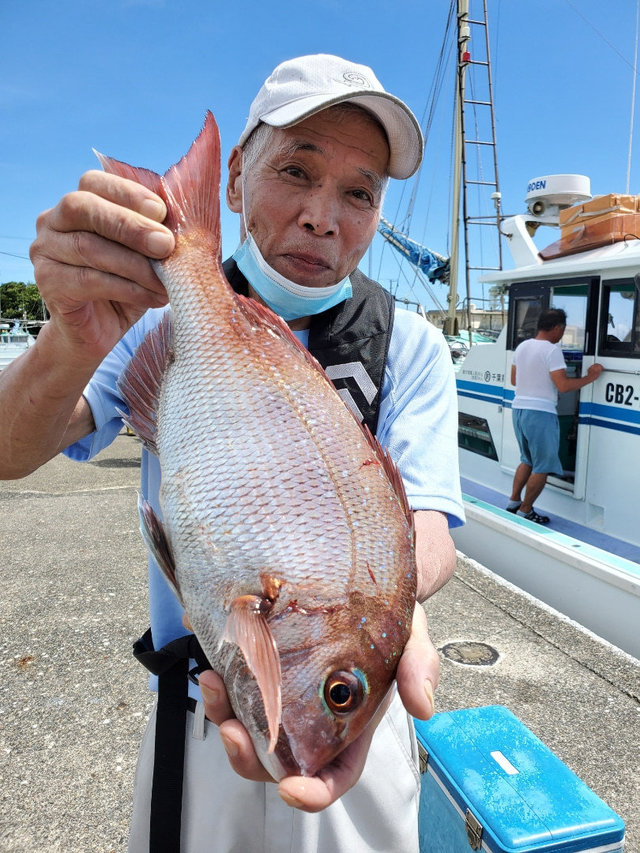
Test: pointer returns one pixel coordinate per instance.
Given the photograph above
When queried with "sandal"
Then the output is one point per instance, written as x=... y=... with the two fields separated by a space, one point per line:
x=514 y=509
x=538 y=519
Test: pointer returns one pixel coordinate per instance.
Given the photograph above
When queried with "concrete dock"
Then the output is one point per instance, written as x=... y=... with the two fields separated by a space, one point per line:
x=73 y=702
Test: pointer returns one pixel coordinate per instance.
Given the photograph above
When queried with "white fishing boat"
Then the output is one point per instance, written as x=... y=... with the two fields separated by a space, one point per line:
x=14 y=340
x=586 y=563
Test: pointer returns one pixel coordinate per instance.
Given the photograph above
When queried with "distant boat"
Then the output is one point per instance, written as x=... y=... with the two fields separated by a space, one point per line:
x=14 y=340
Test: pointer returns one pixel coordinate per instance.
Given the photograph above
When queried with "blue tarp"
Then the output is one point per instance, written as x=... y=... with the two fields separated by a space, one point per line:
x=435 y=266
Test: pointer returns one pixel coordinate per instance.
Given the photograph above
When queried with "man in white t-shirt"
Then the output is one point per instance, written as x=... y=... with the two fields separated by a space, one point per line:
x=538 y=372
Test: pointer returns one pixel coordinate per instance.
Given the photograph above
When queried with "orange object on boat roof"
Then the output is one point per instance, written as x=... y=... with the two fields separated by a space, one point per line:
x=604 y=220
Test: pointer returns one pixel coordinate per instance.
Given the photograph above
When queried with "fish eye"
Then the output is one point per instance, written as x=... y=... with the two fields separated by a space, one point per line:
x=343 y=692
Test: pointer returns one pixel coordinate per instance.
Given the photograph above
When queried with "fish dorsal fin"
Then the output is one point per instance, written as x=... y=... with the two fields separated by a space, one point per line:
x=156 y=541
x=140 y=381
x=247 y=627
x=265 y=316
x=256 y=311
x=391 y=470
x=190 y=189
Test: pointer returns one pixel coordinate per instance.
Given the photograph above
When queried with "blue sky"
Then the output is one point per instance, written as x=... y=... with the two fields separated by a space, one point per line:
x=133 y=79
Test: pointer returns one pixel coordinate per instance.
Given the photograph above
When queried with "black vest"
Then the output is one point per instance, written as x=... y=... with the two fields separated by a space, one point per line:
x=351 y=341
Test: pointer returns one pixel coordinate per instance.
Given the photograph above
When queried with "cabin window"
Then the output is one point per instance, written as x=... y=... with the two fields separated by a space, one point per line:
x=577 y=296
x=525 y=319
x=573 y=300
x=620 y=319
x=474 y=435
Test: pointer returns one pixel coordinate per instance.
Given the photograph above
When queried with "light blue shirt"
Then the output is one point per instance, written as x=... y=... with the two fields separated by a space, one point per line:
x=418 y=424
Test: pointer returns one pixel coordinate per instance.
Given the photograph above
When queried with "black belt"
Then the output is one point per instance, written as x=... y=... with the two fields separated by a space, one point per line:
x=171 y=665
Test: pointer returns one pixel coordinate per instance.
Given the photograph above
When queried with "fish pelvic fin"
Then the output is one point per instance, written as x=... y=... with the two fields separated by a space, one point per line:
x=156 y=540
x=190 y=189
x=139 y=383
x=247 y=627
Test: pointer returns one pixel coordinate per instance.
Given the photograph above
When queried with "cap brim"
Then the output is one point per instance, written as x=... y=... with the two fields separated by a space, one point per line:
x=401 y=126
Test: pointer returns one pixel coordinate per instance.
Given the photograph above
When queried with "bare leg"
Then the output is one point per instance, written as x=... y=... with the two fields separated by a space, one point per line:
x=523 y=472
x=535 y=485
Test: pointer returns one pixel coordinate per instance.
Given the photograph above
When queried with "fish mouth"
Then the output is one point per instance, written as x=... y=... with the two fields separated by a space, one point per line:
x=281 y=761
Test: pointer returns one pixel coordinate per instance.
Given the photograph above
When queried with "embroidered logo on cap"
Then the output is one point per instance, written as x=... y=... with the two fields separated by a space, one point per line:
x=354 y=78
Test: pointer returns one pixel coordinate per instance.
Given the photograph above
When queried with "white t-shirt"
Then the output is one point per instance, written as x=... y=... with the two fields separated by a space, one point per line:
x=534 y=360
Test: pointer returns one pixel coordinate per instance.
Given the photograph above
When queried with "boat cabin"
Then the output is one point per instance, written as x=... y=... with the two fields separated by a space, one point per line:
x=599 y=288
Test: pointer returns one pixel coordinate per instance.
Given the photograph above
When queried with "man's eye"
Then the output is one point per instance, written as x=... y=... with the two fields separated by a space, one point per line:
x=294 y=171
x=363 y=195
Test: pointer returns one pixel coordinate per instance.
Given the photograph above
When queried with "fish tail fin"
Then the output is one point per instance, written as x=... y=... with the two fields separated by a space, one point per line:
x=190 y=189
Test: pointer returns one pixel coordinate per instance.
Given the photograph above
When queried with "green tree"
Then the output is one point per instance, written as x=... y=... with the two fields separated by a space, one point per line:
x=18 y=299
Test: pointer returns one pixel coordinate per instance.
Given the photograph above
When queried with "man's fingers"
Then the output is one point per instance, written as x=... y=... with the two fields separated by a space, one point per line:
x=94 y=269
x=418 y=669
x=214 y=697
x=240 y=752
x=124 y=192
x=84 y=211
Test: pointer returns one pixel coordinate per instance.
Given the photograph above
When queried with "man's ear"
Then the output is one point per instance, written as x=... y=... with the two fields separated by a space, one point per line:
x=234 y=182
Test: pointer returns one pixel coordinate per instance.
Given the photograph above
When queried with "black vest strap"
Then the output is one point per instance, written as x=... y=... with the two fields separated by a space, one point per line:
x=351 y=341
x=171 y=665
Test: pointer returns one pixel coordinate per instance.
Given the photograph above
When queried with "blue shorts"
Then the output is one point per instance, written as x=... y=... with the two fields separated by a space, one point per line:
x=538 y=435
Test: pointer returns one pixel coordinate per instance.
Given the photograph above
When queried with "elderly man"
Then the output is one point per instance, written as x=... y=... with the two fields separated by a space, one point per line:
x=308 y=178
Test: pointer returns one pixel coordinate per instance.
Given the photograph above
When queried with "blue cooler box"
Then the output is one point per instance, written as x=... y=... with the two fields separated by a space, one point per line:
x=488 y=783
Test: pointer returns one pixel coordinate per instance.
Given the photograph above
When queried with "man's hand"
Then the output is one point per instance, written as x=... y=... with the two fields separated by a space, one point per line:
x=594 y=370
x=92 y=269
x=91 y=262
x=417 y=677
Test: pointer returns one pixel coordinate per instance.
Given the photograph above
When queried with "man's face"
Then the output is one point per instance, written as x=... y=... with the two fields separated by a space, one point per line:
x=558 y=332
x=313 y=196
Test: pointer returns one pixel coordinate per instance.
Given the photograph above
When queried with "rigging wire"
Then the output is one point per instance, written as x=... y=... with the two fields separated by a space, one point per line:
x=436 y=91
x=633 y=66
x=11 y=255
x=633 y=97
x=403 y=224
x=602 y=36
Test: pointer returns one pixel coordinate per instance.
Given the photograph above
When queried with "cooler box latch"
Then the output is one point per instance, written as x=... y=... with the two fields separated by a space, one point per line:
x=474 y=830
x=423 y=758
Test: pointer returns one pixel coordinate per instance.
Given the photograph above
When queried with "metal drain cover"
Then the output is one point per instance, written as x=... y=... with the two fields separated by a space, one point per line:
x=471 y=653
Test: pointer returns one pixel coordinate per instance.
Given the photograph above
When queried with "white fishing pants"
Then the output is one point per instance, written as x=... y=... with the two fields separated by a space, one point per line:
x=224 y=813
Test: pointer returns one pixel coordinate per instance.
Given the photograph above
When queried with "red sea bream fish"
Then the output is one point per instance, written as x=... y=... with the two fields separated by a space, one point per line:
x=286 y=533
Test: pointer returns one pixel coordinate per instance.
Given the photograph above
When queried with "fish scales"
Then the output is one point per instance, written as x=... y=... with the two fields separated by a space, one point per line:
x=288 y=545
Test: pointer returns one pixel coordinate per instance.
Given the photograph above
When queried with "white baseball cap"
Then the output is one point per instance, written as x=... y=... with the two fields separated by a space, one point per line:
x=301 y=87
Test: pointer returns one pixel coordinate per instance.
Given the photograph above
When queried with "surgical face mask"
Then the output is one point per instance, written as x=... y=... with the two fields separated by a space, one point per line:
x=285 y=297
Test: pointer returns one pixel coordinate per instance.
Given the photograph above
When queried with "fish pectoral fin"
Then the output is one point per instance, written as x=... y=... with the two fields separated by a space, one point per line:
x=139 y=383
x=157 y=542
x=247 y=627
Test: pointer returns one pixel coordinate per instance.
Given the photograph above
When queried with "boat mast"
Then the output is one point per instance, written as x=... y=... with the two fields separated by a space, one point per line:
x=461 y=181
x=464 y=34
